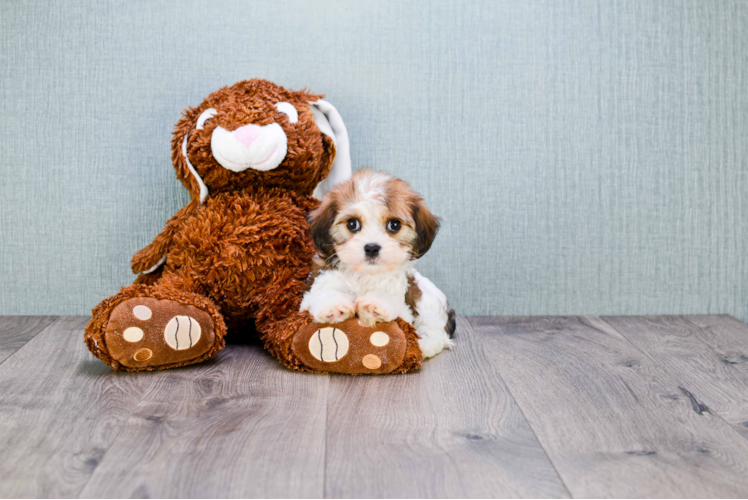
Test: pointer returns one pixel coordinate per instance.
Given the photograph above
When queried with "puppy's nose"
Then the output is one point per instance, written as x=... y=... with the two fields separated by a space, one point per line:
x=247 y=134
x=372 y=249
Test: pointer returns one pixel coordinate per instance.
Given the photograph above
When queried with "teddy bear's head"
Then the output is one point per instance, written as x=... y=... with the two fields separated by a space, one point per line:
x=256 y=133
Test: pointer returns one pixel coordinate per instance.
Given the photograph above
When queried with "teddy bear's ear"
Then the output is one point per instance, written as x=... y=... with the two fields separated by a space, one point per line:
x=331 y=124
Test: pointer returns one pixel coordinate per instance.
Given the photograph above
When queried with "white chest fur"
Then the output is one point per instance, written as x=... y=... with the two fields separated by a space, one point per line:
x=392 y=284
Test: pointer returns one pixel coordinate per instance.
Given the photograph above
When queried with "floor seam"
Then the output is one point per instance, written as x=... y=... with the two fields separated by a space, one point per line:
x=519 y=407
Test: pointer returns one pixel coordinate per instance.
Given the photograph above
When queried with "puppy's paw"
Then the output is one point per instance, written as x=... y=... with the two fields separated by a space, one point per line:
x=430 y=347
x=371 y=311
x=334 y=312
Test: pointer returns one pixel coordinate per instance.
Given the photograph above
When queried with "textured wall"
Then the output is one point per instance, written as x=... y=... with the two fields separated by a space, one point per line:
x=586 y=156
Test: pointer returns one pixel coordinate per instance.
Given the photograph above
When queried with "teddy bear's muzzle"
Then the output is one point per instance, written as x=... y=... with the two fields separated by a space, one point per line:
x=250 y=146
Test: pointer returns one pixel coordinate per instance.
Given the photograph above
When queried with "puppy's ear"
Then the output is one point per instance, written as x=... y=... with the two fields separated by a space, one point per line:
x=427 y=225
x=320 y=225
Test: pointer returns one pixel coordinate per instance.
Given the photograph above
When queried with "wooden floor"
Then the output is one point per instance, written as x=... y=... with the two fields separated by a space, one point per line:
x=522 y=407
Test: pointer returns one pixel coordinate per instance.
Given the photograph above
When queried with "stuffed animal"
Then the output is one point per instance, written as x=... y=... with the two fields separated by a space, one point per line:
x=237 y=257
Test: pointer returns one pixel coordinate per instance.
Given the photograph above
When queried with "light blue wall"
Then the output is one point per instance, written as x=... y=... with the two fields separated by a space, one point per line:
x=586 y=156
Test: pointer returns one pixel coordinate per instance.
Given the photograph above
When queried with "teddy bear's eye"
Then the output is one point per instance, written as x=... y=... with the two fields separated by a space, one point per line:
x=287 y=109
x=204 y=117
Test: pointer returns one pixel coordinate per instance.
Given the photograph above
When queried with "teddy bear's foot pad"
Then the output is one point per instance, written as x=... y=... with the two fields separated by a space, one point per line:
x=349 y=347
x=144 y=332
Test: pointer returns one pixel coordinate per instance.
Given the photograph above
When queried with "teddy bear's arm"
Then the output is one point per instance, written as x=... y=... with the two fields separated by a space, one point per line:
x=152 y=255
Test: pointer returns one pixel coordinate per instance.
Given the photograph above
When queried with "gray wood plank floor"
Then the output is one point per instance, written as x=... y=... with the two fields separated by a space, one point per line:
x=708 y=353
x=452 y=430
x=610 y=418
x=15 y=331
x=522 y=407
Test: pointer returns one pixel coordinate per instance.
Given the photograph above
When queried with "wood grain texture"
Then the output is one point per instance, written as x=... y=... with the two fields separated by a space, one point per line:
x=624 y=407
x=237 y=426
x=15 y=331
x=449 y=430
x=60 y=410
x=613 y=422
x=707 y=354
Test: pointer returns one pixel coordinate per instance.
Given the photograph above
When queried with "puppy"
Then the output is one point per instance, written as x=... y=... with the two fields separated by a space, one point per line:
x=369 y=232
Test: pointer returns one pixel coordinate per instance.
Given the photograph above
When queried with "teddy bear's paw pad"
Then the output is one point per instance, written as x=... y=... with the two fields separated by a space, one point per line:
x=328 y=344
x=144 y=332
x=350 y=347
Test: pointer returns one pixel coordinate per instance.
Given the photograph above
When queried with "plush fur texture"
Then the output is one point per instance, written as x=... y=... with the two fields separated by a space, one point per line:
x=243 y=253
x=369 y=232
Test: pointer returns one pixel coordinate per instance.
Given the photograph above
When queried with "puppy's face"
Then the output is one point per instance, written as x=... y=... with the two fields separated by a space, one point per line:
x=372 y=223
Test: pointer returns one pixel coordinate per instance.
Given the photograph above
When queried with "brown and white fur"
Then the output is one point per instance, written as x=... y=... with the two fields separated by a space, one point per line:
x=369 y=232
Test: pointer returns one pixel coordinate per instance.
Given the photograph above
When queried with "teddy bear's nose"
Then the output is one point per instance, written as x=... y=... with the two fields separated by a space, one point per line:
x=247 y=134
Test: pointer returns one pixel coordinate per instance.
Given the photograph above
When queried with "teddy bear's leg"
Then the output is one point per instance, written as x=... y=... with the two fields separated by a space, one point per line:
x=155 y=327
x=348 y=347
x=354 y=348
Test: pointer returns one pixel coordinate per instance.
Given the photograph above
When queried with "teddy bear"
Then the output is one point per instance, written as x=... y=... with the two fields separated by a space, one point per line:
x=254 y=157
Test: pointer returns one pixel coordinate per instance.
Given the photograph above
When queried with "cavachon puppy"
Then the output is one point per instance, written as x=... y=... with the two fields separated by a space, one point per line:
x=369 y=232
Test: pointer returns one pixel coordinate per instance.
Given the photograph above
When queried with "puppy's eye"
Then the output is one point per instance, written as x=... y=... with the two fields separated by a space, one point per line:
x=354 y=225
x=393 y=226
x=287 y=109
x=204 y=117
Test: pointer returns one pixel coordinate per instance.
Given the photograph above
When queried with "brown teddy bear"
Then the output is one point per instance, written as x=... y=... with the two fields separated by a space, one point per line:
x=237 y=256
